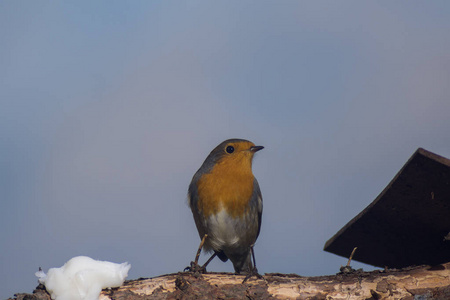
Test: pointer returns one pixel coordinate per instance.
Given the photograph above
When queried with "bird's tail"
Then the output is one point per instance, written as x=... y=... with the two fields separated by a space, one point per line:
x=222 y=256
x=242 y=263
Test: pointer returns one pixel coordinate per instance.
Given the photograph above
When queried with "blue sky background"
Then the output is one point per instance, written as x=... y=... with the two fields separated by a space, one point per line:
x=108 y=108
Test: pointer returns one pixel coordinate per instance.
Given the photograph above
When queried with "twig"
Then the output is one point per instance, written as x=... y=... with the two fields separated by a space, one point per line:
x=351 y=256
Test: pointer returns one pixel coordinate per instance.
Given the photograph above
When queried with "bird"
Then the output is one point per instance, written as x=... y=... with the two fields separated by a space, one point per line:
x=226 y=203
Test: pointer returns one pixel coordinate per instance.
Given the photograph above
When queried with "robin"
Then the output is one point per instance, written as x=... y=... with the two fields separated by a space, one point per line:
x=226 y=202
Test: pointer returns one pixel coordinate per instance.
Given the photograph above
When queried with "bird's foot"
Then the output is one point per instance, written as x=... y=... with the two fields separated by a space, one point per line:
x=195 y=268
x=253 y=272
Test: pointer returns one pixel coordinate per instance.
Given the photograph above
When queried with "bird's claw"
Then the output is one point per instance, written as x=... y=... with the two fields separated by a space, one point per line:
x=253 y=272
x=195 y=268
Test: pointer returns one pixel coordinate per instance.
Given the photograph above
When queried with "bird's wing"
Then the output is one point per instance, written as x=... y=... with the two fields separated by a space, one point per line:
x=258 y=200
x=193 y=201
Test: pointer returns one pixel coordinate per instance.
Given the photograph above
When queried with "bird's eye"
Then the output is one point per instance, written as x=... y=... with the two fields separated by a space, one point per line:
x=230 y=149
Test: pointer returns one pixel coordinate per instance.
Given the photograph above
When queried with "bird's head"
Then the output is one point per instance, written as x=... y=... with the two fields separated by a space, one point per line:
x=233 y=153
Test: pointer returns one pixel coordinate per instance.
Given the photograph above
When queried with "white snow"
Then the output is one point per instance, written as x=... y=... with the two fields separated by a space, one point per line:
x=83 y=278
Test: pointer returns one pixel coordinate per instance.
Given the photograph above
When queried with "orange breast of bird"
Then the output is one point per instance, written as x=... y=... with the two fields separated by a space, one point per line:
x=228 y=186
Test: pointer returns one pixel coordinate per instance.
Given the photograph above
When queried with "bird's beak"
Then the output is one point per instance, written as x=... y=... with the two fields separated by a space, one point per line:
x=256 y=148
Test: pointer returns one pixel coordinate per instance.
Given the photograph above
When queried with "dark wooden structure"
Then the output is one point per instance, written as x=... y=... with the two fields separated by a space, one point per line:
x=408 y=223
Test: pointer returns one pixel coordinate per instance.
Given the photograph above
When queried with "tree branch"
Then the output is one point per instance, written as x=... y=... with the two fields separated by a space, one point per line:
x=426 y=281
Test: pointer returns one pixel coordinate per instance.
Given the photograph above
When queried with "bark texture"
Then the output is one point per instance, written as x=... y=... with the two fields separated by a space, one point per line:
x=423 y=282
